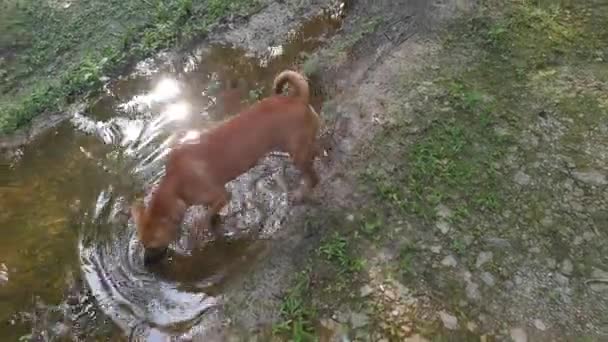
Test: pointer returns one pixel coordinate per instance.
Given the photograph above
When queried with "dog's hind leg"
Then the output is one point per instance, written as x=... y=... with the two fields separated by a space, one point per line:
x=304 y=163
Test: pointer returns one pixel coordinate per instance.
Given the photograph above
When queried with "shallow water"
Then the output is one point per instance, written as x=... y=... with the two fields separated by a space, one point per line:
x=73 y=266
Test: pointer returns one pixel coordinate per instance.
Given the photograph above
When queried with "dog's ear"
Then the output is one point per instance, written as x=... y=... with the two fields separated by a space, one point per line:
x=137 y=211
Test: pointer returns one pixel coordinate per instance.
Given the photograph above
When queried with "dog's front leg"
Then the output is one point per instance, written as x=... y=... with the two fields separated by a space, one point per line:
x=220 y=199
x=215 y=201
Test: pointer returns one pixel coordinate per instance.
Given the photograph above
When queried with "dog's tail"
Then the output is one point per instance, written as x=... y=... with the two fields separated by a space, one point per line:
x=295 y=80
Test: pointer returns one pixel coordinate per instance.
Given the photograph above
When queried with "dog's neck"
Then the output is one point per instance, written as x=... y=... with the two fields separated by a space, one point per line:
x=166 y=203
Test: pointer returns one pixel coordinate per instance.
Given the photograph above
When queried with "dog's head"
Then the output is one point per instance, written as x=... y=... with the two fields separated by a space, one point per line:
x=155 y=232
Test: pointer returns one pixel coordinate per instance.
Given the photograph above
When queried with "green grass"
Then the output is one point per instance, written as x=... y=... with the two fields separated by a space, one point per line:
x=454 y=160
x=407 y=256
x=452 y=163
x=336 y=249
x=54 y=55
x=297 y=315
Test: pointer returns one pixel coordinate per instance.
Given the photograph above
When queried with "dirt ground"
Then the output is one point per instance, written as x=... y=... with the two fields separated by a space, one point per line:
x=466 y=193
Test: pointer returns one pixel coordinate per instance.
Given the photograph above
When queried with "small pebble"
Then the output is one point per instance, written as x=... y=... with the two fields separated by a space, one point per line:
x=521 y=178
x=518 y=335
x=443 y=227
x=488 y=278
x=449 y=261
x=358 y=320
x=436 y=249
x=540 y=325
x=483 y=258
x=450 y=322
x=561 y=279
x=567 y=267
x=472 y=327
x=366 y=290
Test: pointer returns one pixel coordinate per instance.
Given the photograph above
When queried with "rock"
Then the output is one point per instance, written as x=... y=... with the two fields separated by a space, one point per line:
x=472 y=327
x=406 y=329
x=449 y=261
x=518 y=335
x=155 y=335
x=449 y=322
x=561 y=279
x=498 y=242
x=472 y=291
x=599 y=274
x=390 y=294
x=358 y=320
x=547 y=221
x=3 y=274
x=599 y=281
x=468 y=239
x=402 y=291
x=518 y=280
x=436 y=249
x=483 y=258
x=588 y=236
x=567 y=267
x=576 y=207
x=350 y=217
x=361 y=335
x=577 y=240
x=521 y=178
x=488 y=278
x=443 y=226
x=414 y=338
x=540 y=325
x=598 y=287
x=443 y=211
x=551 y=263
x=340 y=317
x=335 y=330
x=365 y=291
x=591 y=177
x=61 y=330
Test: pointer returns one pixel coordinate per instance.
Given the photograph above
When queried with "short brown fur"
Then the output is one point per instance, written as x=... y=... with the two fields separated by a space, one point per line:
x=196 y=173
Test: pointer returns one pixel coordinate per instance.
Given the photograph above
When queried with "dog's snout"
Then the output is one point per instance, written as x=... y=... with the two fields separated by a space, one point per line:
x=154 y=255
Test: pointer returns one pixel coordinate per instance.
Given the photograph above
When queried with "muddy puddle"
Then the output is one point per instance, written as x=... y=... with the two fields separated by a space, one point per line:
x=70 y=264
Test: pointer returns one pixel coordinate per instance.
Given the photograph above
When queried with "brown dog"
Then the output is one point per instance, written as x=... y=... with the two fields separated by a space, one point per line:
x=196 y=173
